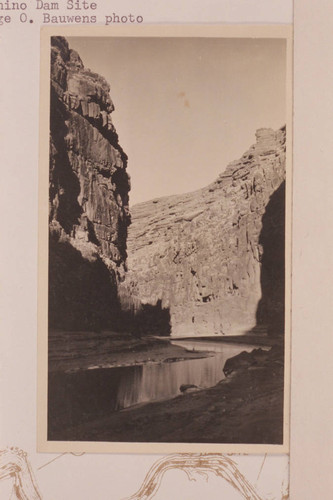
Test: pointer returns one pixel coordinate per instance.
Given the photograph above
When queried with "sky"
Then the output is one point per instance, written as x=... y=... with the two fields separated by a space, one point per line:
x=186 y=107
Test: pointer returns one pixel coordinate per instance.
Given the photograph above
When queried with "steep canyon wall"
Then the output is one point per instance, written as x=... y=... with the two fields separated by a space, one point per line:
x=214 y=258
x=88 y=204
x=202 y=263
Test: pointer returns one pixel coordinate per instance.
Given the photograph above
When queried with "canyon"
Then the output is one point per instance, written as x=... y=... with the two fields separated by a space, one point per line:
x=88 y=197
x=205 y=263
x=214 y=258
x=124 y=285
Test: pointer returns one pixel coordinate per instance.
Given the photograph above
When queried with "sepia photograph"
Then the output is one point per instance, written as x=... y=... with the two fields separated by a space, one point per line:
x=164 y=251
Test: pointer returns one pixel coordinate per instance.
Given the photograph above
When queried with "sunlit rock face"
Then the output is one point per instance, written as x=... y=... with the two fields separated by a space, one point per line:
x=215 y=257
x=88 y=203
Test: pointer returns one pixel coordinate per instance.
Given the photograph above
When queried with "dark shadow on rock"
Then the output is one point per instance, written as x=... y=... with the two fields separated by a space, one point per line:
x=82 y=293
x=153 y=320
x=75 y=398
x=143 y=319
x=92 y=234
x=271 y=309
x=64 y=183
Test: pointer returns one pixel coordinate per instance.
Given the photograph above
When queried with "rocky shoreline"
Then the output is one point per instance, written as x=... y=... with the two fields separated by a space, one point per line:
x=246 y=407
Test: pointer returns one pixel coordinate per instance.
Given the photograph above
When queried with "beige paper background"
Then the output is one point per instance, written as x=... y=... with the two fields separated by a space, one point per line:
x=312 y=370
x=312 y=367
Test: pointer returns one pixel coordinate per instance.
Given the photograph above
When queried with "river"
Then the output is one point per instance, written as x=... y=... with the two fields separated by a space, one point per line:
x=94 y=392
x=153 y=382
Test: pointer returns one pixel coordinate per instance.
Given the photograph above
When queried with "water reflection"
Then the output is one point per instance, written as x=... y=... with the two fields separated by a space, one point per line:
x=152 y=382
x=86 y=394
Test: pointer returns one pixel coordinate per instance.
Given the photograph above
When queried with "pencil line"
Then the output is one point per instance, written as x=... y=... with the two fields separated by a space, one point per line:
x=53 y=459
x=261 y=466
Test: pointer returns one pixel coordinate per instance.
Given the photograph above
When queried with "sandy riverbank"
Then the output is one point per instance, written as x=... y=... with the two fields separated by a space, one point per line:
x=73 y=351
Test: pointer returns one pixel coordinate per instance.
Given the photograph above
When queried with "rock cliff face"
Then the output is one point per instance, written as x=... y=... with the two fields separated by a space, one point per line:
x=215 y=257
x=88 y=211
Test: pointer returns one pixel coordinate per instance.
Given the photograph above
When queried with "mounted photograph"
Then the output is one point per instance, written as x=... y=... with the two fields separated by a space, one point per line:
x=165 y=239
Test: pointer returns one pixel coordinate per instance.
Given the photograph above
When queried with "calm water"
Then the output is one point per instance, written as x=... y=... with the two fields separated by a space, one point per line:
x=153 y=382
x=86 y=393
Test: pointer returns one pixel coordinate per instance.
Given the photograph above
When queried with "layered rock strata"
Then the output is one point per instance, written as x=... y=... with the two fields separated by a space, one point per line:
x=88 y=203
x=214 y=258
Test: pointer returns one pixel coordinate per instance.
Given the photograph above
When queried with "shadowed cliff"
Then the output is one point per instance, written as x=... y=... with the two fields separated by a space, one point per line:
x=82 y=293
x=271 y=310
x=214 y=257
x=201 y=263
x=88 y=206
x=88 y=197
